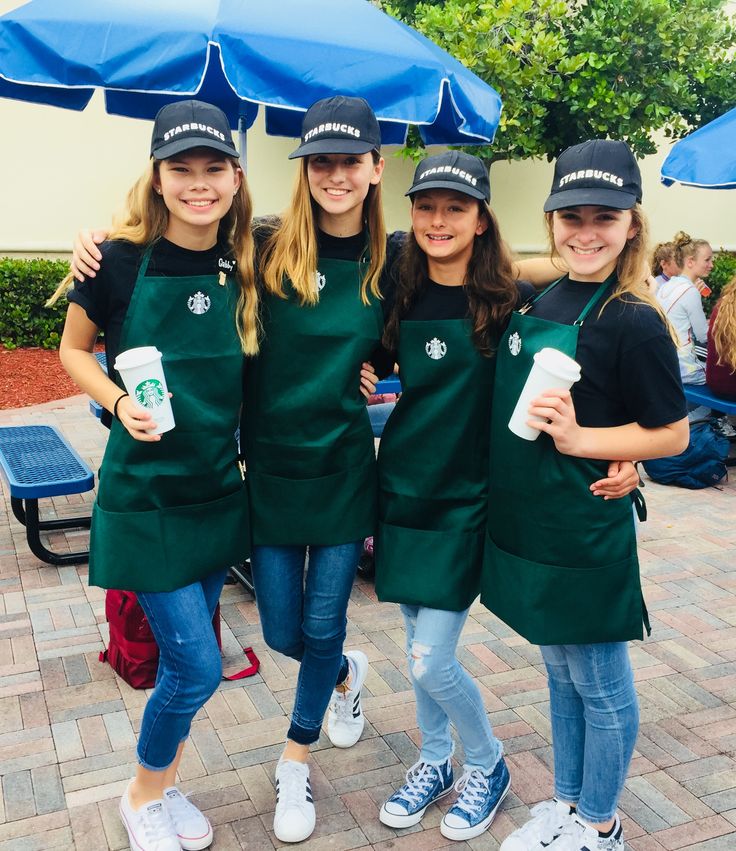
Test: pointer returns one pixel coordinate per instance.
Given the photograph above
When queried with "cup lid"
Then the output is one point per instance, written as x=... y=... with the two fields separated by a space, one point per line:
x=138 y=356
x=558 y=363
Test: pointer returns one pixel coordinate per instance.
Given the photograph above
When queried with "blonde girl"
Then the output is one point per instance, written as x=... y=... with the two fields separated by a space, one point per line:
x=561 y=568
x=178 y=275
x=720 y=367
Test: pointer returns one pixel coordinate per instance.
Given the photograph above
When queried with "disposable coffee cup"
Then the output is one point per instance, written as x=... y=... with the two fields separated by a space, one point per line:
x=552 y=370
x=144 y=379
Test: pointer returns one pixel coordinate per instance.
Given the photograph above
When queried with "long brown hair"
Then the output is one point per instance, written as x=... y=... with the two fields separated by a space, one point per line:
x=145 y=219
x=489 y=282
x=723 y=328
x=291 y=250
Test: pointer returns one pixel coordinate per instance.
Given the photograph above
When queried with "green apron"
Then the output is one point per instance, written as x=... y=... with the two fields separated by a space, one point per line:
x=307 y=440
x=560 y=564
x=433 y=470
x=171 y=512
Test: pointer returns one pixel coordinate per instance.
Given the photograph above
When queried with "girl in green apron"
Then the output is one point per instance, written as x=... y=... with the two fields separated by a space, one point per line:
x=456 y=288
x=307 y=439
x=172 y=512
x=561 y=567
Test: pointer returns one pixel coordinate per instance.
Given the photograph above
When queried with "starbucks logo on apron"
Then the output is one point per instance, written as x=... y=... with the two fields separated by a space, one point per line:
x=150 y=393
x=198 y=303
x=515 y=343
x=435 y=348
x=320 y=280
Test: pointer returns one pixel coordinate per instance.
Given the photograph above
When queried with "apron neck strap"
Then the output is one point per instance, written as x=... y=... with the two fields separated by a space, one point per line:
x=597 y=296
x=144 y=261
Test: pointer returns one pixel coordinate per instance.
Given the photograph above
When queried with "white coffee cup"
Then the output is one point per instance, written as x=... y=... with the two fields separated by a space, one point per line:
x=144 y=379
x=552 y=370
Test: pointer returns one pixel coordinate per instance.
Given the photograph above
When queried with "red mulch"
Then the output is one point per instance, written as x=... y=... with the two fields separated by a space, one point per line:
x=32 y=376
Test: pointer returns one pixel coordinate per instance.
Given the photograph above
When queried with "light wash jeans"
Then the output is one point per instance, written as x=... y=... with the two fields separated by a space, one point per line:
x=307 y=620
x=445 y=692
x=189 y=667
x=595 y=720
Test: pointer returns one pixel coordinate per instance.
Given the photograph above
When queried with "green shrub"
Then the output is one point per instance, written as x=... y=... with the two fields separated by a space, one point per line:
x=25 y=285
x=724 y=268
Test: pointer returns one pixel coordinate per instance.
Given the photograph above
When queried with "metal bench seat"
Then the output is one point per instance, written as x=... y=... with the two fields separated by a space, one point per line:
x=37 y=462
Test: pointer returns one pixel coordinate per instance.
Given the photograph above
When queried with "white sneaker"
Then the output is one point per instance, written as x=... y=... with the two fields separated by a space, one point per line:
x=578 y=836
x=345 y=720
x=294 y=818
x=192 y=827
x=547 y=823
x=150 y=828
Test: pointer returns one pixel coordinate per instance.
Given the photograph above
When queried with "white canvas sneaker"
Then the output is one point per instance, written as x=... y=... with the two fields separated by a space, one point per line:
x=192 y=827
x=150 y=828
x=345 y=720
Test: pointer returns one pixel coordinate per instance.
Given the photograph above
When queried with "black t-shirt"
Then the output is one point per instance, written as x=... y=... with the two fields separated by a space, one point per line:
x=438 y=301
x=629 y=369
x=105 y=298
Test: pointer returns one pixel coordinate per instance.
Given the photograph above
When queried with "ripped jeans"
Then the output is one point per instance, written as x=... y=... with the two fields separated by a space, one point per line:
x=445 y=692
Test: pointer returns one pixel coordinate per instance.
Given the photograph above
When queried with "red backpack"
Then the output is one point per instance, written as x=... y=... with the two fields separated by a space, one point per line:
x=132 y=650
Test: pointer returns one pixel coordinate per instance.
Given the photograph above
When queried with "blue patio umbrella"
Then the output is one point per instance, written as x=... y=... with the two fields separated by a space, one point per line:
x=241 y=54
x=705 y=158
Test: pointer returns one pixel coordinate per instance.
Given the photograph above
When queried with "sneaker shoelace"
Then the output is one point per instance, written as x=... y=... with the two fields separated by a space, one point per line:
x=544 y=819
x=179 y=805
x=419 y=779
x=294 y=785
x=156 y=822
x=473 y=787
x=343 y=701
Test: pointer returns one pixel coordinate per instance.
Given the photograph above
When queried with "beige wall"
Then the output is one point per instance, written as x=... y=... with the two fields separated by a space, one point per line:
x=62 y=170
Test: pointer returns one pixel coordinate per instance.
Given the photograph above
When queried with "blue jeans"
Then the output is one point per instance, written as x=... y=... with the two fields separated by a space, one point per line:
x=306 y=620
x=189 y=667
x=445 y=691
x=595 y=719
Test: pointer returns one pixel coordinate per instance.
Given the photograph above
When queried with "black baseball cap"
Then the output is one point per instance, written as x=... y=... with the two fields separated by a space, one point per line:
x=600 y=172
x=190 y=124
x=453 y=170
x=339 y=125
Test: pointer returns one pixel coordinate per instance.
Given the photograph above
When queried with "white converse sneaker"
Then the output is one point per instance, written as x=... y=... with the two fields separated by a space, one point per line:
x=150 y=828
x=547 y=823
x=578 y=836
x=192 y=827
x=345 y=720
x=294 y=818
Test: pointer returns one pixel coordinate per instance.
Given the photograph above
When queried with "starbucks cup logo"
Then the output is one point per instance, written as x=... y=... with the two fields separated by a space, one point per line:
x=144 y=379
x=150 y=393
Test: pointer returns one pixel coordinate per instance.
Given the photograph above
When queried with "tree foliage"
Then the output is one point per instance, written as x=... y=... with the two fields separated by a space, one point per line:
x=569 y=70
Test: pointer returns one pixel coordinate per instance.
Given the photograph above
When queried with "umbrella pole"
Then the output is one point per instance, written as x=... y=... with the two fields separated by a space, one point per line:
x=243 y=144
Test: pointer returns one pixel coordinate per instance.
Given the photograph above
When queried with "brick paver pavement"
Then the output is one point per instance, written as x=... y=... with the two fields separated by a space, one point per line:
x=67 y=725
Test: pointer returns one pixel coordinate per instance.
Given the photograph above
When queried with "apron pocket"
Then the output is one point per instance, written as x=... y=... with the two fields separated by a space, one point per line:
x=324 y=511
x=552 y=604
x=168 y=548
x=436 y=569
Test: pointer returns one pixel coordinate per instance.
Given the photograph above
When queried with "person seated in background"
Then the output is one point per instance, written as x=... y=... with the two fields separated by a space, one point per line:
x=681 y=301
x=664 y=266
x=720 y=368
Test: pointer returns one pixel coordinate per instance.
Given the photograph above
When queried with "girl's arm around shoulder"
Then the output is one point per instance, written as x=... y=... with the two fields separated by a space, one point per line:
x=618 y=443
x=75 y=351
x=539 y=271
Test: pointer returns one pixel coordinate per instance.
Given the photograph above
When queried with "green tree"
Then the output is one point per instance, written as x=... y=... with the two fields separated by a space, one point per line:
x=569 y=70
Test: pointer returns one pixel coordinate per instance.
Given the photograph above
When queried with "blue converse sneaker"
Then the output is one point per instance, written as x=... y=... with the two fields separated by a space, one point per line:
x=478 y=802
x=425 y=784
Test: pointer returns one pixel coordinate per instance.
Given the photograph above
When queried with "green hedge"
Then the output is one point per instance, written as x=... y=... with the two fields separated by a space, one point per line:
x=724 y=268
x=25 y=285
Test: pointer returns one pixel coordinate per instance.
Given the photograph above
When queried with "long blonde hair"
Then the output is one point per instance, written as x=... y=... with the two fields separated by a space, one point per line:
x=145 y=219
x=723 y=328
x=291 y=250
x=631 y=266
